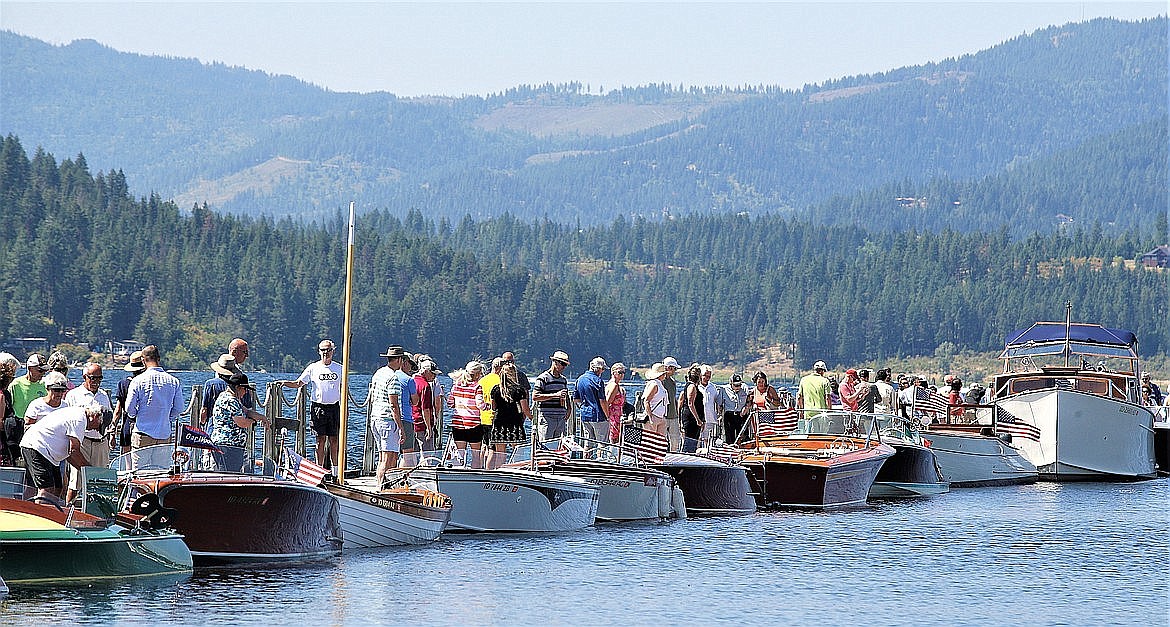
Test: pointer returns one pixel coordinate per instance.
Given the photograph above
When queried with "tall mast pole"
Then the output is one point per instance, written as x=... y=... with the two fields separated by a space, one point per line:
x=341 y=436
x=1067 y=332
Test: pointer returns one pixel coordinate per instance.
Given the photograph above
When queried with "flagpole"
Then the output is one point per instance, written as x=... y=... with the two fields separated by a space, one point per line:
x=341 y=435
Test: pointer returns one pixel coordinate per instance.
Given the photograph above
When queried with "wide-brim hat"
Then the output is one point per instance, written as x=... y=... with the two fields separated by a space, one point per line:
x=135 y=364
x=226 y=366
x=394 y=351
x=560 y=356
x=670 y=362
x=655 y=372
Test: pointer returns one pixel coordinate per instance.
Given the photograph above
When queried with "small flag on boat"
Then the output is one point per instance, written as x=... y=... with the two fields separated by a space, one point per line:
x=930 y=402
x=771 y=430
x=723 y=453
x=1008 y=423
x=651 y=446
x=570 y=443
x=781 y=419
x=194 y=437
x=547 y=457
x=304 y=470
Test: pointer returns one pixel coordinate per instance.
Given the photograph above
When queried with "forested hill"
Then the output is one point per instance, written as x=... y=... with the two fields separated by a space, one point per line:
x=1028 y=112
x=84 y=260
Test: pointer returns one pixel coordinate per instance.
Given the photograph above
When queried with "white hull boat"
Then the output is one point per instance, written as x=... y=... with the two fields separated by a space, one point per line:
x=625 y=492
x=372 y=518
x=509 y=500
x=971 y=459
x=1076 y=386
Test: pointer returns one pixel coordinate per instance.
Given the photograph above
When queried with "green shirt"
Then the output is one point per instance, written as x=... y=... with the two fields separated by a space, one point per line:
x=814 y=389
x=25 y=392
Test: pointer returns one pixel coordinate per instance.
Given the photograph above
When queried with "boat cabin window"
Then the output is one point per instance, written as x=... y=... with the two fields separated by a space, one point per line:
x=1099 y=387
x=1030 y=383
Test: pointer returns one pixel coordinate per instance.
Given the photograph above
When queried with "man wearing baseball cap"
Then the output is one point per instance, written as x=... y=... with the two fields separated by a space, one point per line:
x=814 y=389
x=673 y=429
x=29 y=387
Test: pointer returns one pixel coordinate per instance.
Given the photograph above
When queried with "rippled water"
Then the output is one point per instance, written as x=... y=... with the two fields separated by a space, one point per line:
x=1045 y=554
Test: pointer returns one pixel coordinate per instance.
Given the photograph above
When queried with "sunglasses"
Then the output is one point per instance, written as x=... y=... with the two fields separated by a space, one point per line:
x=325 y=350
x=92 y=377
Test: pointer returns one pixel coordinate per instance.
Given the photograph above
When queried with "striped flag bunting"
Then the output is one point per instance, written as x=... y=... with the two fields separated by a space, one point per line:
x=650 y=446
x=723 y=453
x=929 y=402
x=304 y=470
x=547 y=457
x=1008 y=423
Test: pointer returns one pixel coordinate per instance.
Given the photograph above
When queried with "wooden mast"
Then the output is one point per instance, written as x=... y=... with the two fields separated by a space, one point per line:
x=341 y=435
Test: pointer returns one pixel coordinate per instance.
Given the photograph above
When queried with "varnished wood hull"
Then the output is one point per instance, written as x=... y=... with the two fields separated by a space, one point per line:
x=834 y=481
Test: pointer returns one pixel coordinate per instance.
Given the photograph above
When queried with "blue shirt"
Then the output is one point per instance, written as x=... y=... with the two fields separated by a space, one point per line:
x=590 y=389
x=155 y=399
x=408 y=388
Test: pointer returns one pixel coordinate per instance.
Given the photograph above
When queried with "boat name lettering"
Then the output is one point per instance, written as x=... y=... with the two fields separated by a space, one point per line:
x=248 y=500
x=500 y=487
x=1125 y=409
x=389 y=504
x=613 y=482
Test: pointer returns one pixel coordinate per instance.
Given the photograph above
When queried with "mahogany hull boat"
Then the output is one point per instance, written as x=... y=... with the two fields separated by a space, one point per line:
x=232 y=518
x=806 y=471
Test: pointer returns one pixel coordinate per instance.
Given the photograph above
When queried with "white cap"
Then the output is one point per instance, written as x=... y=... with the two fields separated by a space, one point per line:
x=670 y=362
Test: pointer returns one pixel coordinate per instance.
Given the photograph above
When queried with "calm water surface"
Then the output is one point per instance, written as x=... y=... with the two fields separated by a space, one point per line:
x=1045 y=554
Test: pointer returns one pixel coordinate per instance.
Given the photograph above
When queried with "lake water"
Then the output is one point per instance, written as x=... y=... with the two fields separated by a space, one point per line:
x=1044 y=554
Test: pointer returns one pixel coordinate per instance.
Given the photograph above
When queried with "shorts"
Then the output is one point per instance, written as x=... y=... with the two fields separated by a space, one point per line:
x=325 y=419
x=39 y=471
x=387 y=434
x=410 y=443
x=487 y=433
x=474 y=434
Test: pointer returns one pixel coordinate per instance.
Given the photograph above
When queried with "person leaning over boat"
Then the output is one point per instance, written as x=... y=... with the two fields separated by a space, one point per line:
x=734 y=400
x=228 y=364
x=550 y=392
x=57 y=386
x=11 y=427
x=466 y=400
x=615 y=400
x=95 y=446
x=673 y=429
x=229 y=423
x=154 y=401
x=29 y=387
x=125 y=424
x=324 y=378
x=487 y=383
x=654 y=398
x=510 y=400
x=55 y=439
x=428 y=407
x=589 y=391
x=814 y=389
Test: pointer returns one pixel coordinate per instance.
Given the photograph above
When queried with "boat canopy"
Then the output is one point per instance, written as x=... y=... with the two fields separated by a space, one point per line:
x=1079 y=331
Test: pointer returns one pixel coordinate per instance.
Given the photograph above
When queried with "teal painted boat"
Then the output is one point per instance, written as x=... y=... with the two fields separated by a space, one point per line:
x=42 y=544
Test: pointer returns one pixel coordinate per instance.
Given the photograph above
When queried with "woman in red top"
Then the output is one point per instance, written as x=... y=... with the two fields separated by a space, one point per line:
x=467 y=400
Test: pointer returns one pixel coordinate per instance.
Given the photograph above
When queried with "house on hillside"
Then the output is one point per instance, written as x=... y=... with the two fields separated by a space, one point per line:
x=1159 y=257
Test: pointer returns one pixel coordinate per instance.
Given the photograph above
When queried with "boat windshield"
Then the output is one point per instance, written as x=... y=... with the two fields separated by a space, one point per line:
x=167 y=457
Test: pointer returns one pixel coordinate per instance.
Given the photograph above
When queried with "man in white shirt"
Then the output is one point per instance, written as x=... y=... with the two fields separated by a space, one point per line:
x=324 y=402
x=52 y=440
x=154 y=401
x=94 y=446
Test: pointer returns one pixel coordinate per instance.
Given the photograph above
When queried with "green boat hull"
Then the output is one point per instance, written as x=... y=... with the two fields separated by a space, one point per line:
x=60 y=556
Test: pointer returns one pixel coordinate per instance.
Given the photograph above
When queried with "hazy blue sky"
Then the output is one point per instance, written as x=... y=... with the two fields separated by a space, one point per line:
x=444 y=48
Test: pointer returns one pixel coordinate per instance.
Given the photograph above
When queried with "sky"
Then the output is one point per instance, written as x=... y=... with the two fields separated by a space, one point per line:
x=460 y=48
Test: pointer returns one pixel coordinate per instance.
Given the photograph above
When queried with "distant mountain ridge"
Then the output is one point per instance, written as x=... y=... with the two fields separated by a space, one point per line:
x=247 y=142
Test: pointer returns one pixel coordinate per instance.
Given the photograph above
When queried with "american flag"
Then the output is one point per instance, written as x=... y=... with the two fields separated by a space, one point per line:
x=304 y=470
x=929 y=402
x=1008 y=423
x=547 y=457
x=775 y=422
x=723 y=453
x=650 y=446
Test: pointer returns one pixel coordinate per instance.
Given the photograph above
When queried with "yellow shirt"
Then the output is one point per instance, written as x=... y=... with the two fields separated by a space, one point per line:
x=488 y=382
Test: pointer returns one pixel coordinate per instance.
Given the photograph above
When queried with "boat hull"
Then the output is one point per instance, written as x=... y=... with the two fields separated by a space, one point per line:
x=1084 y=437
x=1162 y=447
x=789 y=480
x=507 y=500
x=229 y=518
x=969 y=459
x=46 y=551
x=711 y=488
x=912 y=472
x=371 y=518
x=624 y=492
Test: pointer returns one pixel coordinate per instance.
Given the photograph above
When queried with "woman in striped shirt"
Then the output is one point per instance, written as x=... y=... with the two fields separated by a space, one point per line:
x=467 y=400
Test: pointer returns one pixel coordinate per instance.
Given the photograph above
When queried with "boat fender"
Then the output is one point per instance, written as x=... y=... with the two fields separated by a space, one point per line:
x=680 y=503
x=664 y=495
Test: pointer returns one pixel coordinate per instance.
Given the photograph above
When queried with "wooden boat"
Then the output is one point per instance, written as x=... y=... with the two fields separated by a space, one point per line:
x=44 y=544
x=373 y=517
x=1078 y=386
x=973 y=452
x=231 y=517
x=913 y=470
x=813 y=469
x=711 y=487
x=506 y=499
